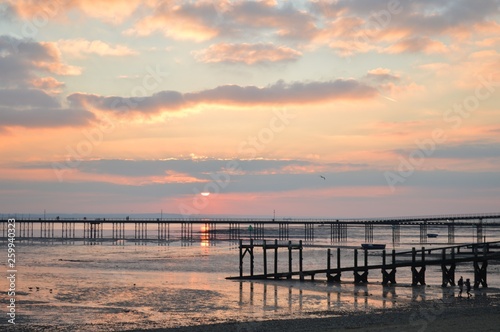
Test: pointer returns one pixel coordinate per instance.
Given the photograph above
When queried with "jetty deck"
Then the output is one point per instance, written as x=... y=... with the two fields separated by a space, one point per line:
x=416 y=259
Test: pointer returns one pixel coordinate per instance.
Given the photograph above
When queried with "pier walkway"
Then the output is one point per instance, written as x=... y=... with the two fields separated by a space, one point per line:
x=236 y=228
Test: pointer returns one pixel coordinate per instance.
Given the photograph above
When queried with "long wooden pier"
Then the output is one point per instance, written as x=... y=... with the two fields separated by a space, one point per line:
x=235 y=228
x=416 y=259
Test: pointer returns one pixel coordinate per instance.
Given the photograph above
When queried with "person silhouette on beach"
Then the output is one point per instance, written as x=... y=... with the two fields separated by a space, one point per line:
x=467 y=285
x=460 y=286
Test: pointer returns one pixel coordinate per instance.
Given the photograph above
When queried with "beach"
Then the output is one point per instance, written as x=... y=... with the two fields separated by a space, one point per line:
x=182 y=286
x=476 y=314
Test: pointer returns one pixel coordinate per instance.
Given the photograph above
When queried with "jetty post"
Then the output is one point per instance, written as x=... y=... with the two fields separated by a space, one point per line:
x=301 y=274
x=249 y=249
x=480 y=270
x=264 y=250
x=329 y=276
x=275 y=259
x=360 y=278
x=418 y=276
x=448 y=273
x=388 y=277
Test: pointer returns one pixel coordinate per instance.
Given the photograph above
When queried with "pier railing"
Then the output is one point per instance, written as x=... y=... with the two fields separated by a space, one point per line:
x=235 y=228
x=431 y=219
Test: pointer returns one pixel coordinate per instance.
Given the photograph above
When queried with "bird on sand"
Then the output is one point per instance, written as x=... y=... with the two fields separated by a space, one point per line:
x=321 y=176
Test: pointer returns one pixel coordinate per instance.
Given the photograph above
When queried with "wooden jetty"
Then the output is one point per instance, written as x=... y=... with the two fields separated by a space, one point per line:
x=417 y=260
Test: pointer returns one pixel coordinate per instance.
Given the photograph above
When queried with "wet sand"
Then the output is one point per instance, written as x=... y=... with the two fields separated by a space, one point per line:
x=480 y=313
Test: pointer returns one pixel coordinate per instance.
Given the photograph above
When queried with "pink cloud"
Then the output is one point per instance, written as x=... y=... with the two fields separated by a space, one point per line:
x=48 y=84
x=417 y=45
x=188 y=21
x=205 y=20
x=246 y=53
x=114 y=11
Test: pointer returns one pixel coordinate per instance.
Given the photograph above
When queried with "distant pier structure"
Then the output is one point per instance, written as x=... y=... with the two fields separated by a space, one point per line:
x=164 y=230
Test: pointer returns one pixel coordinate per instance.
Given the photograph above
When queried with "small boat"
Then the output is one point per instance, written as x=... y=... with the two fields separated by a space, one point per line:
x=432 y=235
x=373 y=246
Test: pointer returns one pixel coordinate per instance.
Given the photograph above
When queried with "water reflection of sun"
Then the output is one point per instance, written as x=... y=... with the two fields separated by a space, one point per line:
x=204 y=232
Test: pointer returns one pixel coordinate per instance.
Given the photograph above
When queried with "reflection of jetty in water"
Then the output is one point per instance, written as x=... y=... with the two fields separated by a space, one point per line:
x=338 y=298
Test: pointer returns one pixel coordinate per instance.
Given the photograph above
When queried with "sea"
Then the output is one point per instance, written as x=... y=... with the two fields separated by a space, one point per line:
x=118 y=284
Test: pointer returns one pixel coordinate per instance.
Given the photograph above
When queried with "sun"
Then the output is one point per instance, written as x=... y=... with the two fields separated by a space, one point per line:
x=205 y=194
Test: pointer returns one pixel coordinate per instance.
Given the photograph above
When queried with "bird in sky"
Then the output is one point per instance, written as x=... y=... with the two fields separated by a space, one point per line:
x=321 y=176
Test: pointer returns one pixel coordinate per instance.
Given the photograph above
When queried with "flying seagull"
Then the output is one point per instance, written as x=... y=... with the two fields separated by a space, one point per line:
x=321 y=176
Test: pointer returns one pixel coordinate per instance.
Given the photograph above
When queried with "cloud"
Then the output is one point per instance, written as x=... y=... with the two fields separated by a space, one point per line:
x=44 y=117
x=48 y=84
x=26 y=97
x=285 y=19
x=164 y=100
x=113 y=11
x=185 y=177
x=81 y=47
x=196 y=21
x=279 y=93
x=22 y=60
x=206 y=20
x=194 y=168
x=382 y=75
x=417 y=44
x=28 y=100
x=468 y=151
x=246 y=53
x=351 y=27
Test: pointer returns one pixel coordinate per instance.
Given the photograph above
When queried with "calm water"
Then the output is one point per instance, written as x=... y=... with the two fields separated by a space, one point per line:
x=125 y=284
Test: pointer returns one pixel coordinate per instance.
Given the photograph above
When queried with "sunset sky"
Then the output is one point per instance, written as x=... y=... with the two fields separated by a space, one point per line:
x=140 y=106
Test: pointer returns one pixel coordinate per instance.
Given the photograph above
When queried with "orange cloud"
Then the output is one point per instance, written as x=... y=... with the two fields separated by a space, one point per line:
x=246 y=53
x=417 y=45
x=190 y=21
x=55 y=64
x=489 y=42
x=205 y=20
x=48 y=84
x=114 y=11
